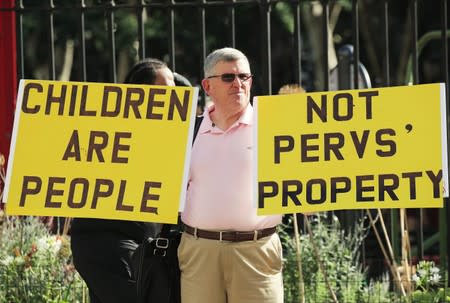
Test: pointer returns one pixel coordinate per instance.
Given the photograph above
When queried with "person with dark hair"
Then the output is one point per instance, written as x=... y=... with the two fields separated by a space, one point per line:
x=150 y=71
x=181 y=80
x=101 y=248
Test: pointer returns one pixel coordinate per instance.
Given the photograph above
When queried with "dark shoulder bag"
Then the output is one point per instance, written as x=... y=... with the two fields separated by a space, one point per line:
x=155 y=262
x=156 y=270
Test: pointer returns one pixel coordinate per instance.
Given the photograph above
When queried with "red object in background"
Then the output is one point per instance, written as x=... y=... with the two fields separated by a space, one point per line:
x=8 y=73
x=8 y=76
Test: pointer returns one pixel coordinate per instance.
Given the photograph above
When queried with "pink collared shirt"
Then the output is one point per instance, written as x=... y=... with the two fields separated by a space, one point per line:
x=220 y=193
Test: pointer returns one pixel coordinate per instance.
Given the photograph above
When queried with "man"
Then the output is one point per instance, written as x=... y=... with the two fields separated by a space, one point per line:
x=227 y=253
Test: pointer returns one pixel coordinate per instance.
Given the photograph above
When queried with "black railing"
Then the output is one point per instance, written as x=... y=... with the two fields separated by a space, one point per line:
x=183 y=32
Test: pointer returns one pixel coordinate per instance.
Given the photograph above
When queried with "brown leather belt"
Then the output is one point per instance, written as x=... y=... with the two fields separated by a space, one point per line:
x=230 y=236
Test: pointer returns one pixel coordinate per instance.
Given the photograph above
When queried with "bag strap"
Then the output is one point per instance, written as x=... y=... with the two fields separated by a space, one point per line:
x=165 y=231
x=198 y=122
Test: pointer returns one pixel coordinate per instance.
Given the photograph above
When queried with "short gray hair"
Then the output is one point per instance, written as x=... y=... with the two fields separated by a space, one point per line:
x=226 y=54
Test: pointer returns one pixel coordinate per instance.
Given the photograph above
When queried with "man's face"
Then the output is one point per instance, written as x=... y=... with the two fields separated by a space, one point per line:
x=233 y=95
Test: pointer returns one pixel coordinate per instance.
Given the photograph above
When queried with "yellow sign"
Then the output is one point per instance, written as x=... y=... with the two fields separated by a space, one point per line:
x=100 y=150
x=355 y=149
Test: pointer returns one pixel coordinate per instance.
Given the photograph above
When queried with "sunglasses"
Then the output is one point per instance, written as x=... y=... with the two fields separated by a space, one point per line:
x=229 y=77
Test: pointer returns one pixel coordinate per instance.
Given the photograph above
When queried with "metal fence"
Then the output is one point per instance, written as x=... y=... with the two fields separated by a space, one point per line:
x=87 y=40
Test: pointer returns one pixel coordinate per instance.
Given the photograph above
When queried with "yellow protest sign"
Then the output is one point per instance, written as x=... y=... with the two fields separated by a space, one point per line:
x=355 y=149
x=100 y=150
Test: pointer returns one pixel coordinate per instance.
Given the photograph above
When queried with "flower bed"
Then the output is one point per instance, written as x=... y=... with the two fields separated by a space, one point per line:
x=35 y=265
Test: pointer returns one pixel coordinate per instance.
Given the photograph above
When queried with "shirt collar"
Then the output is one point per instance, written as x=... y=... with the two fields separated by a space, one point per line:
x=207 y=124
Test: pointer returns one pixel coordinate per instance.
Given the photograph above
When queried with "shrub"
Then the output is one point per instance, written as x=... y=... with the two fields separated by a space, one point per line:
x=35 y=265
x=339 y=254
x=428 y=284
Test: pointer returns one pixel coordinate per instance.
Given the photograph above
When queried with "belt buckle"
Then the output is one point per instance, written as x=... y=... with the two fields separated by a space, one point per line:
x=245 y=235
x=220 y=236
x=162 y=243
x=161 y=246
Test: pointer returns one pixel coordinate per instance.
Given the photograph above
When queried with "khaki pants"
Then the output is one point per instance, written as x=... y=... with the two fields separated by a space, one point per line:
x=230 y=272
